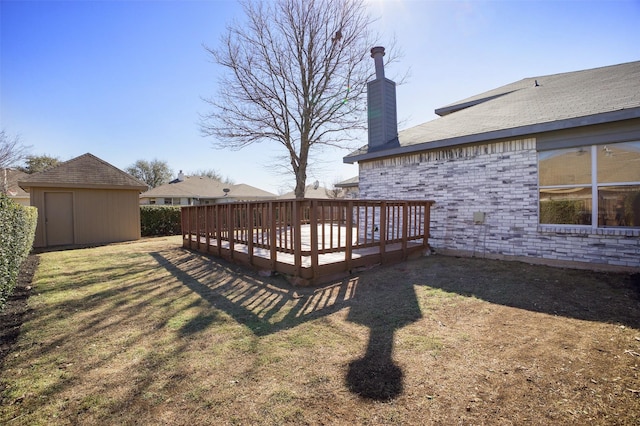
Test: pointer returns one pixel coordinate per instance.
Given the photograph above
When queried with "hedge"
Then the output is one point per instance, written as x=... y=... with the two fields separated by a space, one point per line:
x=567 y=212
x=17 y=231
x=160 y=220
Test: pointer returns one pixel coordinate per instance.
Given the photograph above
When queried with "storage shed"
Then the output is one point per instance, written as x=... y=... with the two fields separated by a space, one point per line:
x=84 y=201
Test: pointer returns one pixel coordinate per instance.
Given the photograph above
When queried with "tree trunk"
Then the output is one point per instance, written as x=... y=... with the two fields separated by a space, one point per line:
x=301 y=181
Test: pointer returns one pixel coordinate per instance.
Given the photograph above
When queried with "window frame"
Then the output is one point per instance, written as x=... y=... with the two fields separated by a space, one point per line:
x=594 y=186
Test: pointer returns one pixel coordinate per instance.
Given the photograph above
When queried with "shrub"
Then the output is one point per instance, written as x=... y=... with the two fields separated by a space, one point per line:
x=562 y=212
x=17 y=231
x=160 y=220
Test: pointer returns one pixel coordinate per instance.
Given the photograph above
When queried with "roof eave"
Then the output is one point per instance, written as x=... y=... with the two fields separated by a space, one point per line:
x=601 y=118
x=28 y=184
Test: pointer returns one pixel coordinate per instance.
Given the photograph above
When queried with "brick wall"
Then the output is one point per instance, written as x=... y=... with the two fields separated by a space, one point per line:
x=499 y=179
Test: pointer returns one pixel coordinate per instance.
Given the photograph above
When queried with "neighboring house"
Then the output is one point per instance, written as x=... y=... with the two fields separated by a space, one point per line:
x=9 y=184
x=84 y=201
x=200 y=190
x=546 y=169
x=349 y=188
x=310 y=191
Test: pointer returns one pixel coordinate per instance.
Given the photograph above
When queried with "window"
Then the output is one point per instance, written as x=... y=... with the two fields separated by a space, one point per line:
x=596 y=185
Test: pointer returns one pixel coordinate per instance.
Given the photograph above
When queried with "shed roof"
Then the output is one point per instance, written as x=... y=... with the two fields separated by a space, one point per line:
x=85 y=171
x=529 y=106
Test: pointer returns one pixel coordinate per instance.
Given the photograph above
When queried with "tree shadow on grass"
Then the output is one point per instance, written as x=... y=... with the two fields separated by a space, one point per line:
x=271 y=304
x=384 y=300
x=376 y=376
x=263 y=304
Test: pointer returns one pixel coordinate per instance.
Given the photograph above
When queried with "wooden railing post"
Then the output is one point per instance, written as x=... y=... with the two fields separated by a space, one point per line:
x=218 y=210
x=339 y=207
x=383 y=229
x=348 y=236
x=230 y=228
x=427 y=223
x=250 y=222
x=297 y=242
x=191 y=225
x=207 y=231
x=197 y=228
x=313 y=223
x=405 y=228
x=186 y=228
x=272 y=235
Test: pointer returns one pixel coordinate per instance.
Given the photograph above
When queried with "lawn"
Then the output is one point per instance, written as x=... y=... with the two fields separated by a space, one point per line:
x=150 y=333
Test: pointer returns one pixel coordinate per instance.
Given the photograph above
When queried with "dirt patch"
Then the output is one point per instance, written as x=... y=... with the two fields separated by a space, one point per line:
x=12 y=316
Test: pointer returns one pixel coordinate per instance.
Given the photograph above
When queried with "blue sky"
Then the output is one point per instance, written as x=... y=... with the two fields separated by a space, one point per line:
x=124 y=79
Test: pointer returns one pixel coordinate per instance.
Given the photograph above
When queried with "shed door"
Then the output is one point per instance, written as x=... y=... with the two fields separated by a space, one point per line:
x=58 y=220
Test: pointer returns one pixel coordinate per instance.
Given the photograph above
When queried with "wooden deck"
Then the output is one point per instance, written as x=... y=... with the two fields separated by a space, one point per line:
x=309 y=241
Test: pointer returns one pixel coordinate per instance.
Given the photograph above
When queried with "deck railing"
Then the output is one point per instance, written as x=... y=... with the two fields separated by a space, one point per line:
x=306 y=228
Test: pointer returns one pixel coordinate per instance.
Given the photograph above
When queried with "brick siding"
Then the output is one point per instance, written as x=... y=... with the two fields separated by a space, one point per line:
x=501 y=180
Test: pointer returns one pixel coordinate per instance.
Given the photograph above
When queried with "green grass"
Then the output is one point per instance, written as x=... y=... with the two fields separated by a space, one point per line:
x=148 y=333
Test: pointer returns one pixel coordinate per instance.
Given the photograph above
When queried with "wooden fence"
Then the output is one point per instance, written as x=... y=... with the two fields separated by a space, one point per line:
x=309 y=239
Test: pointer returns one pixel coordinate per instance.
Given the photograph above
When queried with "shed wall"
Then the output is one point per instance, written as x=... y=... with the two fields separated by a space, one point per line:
x=499 y=179
x=100 y=215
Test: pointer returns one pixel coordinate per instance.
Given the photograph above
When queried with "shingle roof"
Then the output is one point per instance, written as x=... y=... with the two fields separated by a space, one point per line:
x=190 y=186
x=85 y=171
x=555 y=102
x=354 y=181
x=204 y=187
x=310 y=191
x=244 y=190
x=12 y=177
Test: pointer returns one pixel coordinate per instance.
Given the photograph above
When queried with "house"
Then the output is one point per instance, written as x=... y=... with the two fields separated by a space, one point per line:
x=84 y=201
x=349 y=188
x=310 y=191
x=9 y=185
x=545 y=169
x=200 y=190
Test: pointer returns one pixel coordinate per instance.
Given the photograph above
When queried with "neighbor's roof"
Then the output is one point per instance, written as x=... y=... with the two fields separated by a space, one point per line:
x=310 y=191
x=244 y=190
x=558 y=101
x=85 y=171
x=204 y=187
x=354 y=181
x=12 y=177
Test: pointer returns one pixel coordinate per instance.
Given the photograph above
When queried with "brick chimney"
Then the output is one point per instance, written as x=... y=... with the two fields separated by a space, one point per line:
x=381 y=107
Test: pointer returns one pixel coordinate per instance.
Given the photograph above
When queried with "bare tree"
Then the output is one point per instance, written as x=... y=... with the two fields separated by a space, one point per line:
x=333 y=191
x=153 y=173
x=296 y=74
x=11 y=150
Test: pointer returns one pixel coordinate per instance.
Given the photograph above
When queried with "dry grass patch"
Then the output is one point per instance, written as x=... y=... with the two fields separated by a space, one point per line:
x=148 y=333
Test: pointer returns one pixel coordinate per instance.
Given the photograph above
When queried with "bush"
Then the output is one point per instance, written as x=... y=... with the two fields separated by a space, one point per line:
x=567 y=212
x=17 y=231
x=160 y=220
